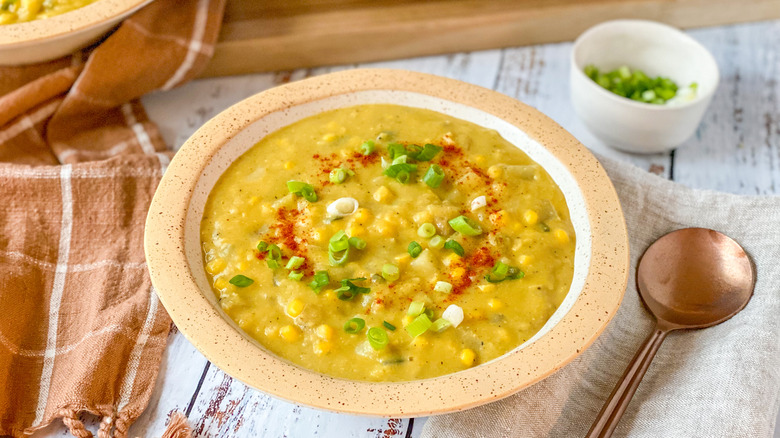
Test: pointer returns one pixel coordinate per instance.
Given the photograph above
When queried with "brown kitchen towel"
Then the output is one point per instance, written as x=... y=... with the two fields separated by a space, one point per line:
x=719 y=382
x=81 y=328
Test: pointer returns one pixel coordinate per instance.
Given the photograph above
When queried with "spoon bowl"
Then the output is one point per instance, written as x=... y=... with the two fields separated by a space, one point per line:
x=690 y=278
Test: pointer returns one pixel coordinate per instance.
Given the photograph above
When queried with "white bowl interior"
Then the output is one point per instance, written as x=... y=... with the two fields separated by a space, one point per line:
x=655 y=48
x=248 y=137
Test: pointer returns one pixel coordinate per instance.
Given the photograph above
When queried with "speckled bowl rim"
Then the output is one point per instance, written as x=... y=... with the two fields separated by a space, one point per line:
x=228 y=348
x=29 y=33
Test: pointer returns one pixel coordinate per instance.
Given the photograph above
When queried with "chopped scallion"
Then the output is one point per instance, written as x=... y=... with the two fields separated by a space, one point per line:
x=303 y=189
x=339 y=175
x=338 y=248
x=295 y=275
x=274 y=256
x=416 y=308
x=400 y=171
x=321 y=279
x=436 y=242
x=262 y=246
x=390 y=272
x=367 y=148
x=357 y=242
x=414 y=249
x=388 y=326
x=455 y=247
x=354 y=325
x=434 y=176
x=420 y=325
x=443 y=286
x=426 y=230
x=241 y=281
x=295 y=262
x=400 y=159
x=377 y=338
x=395 y=150
x=348 y=289
x=501 y=271
x=428 y=152
x=440 y=325
x=465 y=226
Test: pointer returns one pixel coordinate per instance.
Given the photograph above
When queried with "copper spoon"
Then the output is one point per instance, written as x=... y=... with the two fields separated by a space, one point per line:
x=688 y=279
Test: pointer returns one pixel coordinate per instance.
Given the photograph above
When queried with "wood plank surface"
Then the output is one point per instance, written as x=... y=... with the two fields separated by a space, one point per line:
x=736 y=149
x=288 y=34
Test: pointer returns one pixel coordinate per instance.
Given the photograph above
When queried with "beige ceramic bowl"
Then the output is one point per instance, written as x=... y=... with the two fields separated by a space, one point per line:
x=51 y=38
x=174 y=255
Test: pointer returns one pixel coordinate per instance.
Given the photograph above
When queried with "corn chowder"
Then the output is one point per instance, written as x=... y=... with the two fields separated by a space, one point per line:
x=387 y=243
x=15 y=11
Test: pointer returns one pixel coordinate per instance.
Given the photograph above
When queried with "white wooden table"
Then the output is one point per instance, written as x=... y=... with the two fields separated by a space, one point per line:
x=736 y=149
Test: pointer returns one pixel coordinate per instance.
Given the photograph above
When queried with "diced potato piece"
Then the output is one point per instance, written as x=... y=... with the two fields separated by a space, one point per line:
x=362 y=216
x=385 y=228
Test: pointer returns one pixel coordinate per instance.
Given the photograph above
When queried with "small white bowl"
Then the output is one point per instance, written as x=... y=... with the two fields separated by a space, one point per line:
x=657 y=50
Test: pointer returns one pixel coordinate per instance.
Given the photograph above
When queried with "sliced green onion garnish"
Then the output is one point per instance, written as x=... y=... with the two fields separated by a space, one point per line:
x=354 y=325
x=501 y=271
x=400 y=171
x=241 y=281
x=436 y=242
x=440 y=325
x=514 y=273
x=428 y=313
x=465 y=226
x=337 y=176
x=262 y=246
x=357 y=242
x=338 y=242
x=295 y=275
x=416 y=308
x=428 y=152
x=395 y=150
x=400 y=159
x=443 y=286
x=414 y=150
x=414 y=249
x=274 y=256
x=321 y=279
x=367 y=148
x=302 y=189
x=388 y=326
x=338 y=259
x=377 y=338
x=295 y=262
x=390 y=272
x=455 y=247
x=426 y=230
x=434 y=176
x=348 y=289
x=420 y=325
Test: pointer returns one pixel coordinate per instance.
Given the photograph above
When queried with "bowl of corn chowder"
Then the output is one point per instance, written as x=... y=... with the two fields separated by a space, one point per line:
x=387 y=243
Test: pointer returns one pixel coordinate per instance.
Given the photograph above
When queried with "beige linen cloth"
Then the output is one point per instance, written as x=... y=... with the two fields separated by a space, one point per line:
x=81 y=329
x=722 y=381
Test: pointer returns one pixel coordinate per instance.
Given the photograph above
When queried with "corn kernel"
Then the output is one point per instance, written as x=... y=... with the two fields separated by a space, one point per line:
x=403 y=260
x=516 y=227
x=319 y=236
x=561 y=235
x=495 y=171
x=362 y=215
x=530 y=217
x=487 y=288
x=525 y=260
x=254 y=200
x=220 y=283
x=476 y=315
x=290 y=333
x=216 y=266
x=450 y=259
x=480 y=160
x=385 y=229
x=355 y=230
x=329 y=136
x=467 y=357
x=406 y=320
x=324 y=331
x=500 y=218
x=330 y=294
x=422 y=217
x=495 y=304
x=383 y=195
x=289 y=165
x=458 y=273
x=242 y=266
x=295 y=307
x=321 y=347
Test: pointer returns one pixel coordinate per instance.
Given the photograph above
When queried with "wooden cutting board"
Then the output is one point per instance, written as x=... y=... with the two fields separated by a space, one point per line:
x=270 y=35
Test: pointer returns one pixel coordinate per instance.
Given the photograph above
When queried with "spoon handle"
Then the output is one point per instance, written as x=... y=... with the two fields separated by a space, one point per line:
x=613 y=409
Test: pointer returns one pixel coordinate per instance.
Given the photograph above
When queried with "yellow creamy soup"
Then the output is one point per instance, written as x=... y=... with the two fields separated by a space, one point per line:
x=386 y=243
x=14 y=11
